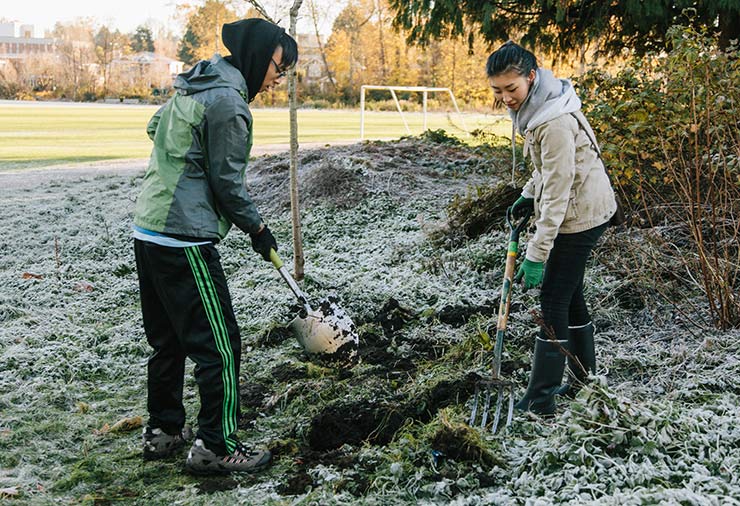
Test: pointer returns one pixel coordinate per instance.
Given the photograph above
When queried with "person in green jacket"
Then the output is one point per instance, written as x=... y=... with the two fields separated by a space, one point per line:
x=193 y=191
x=572 y=201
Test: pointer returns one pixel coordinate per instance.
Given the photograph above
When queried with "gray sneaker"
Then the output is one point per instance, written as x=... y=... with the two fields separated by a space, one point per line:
x=159 y=445
x=201 y=460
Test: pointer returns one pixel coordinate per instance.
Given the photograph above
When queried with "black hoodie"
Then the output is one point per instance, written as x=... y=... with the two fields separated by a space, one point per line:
x=252 y=43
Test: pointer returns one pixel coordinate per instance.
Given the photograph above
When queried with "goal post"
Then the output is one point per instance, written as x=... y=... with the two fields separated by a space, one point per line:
x=425 y=90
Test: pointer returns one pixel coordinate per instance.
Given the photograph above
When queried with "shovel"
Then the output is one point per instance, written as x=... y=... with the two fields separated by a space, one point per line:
x=496 y=386
x=326 y=331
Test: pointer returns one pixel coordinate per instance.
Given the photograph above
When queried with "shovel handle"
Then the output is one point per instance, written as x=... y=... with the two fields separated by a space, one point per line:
x=280 y=266
x=517 y=227
x=275 y=259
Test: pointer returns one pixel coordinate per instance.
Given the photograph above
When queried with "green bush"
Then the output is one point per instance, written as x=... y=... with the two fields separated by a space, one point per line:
x=318 y=103
x=646 y=116
x=668 y=127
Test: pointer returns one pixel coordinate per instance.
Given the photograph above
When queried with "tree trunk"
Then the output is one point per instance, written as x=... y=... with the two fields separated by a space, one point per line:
x=298 y=260
x=381 y=41
x=314 y=15
x=454 y=65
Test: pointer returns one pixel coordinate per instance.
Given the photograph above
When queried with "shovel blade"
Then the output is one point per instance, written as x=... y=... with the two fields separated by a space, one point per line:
x=327 y=331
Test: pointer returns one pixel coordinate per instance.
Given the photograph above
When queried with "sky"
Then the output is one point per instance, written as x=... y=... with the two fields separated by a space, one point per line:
x=123 y=15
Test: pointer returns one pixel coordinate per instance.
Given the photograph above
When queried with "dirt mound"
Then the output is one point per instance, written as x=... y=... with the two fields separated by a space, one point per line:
x=345 y=175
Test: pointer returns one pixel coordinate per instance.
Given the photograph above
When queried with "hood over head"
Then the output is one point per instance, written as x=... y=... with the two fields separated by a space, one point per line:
x=252 y=43
x=207 y=74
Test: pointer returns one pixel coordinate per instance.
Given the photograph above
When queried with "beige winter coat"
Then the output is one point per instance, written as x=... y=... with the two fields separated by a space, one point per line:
x=571 y=189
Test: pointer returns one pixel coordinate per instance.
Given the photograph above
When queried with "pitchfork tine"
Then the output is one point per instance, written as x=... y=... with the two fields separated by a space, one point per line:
x=511 y=406
x=486 y=407
x=499 y=403
x=475 y=405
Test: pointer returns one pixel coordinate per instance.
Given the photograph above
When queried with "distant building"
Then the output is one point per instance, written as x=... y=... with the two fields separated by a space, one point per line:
x=310 y=63
x=154 y=70
x=17 y=42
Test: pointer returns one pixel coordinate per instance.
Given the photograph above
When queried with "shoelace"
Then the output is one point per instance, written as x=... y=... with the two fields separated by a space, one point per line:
x=242 y=450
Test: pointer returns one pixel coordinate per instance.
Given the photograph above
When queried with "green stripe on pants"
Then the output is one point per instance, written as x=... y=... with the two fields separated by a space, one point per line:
x=212 y=306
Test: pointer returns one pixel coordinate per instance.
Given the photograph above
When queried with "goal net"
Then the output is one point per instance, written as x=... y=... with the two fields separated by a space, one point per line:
x=424 y=90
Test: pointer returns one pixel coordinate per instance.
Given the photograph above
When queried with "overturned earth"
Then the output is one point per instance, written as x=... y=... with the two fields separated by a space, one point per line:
x=409 y=238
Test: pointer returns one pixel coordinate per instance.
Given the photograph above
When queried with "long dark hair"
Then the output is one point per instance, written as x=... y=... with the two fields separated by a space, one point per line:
x=511 y=56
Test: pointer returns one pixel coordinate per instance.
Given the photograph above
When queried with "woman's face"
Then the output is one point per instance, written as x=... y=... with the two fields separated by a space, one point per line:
x=275 y=71
x=511 y=88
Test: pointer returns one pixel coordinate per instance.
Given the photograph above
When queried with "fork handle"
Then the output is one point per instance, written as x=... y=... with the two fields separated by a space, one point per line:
x=503 y=309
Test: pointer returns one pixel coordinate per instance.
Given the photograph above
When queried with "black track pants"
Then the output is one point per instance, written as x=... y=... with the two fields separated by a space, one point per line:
x=187 y=312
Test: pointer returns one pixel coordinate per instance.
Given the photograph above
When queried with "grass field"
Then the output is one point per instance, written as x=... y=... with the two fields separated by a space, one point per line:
x=43 y=134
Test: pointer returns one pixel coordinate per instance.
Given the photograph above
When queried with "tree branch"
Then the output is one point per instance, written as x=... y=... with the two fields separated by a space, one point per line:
x=263 y=12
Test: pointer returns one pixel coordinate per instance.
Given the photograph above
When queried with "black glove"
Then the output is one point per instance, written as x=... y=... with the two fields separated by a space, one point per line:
x=522 y=206
x=263 y=242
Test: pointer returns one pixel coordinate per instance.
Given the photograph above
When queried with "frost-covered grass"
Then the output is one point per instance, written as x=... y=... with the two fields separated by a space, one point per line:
x=659 y=426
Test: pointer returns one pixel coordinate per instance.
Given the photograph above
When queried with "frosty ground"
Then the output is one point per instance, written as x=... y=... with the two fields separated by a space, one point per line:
x=659 y=425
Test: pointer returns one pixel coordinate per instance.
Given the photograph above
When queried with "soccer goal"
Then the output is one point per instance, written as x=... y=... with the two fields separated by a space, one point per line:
x=425 y=90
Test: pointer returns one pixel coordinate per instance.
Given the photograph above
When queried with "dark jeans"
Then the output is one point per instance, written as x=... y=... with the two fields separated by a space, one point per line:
x=561 y=296
x=187 y=312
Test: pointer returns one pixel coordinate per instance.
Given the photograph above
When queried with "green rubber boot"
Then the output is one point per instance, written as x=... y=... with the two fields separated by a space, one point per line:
x=547 y=374
x=581 y=343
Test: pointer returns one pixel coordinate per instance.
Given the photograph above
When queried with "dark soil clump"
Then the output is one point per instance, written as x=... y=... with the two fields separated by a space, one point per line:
x=377 y=422
x=393 y=317
x=288 y=372
x=216 y=484
x=459 y=315
x=274 y=336
x=251 y=396
x=374 y=350
x=296 y=484
x=478 y=212
x=462 y=444
x=353 y=424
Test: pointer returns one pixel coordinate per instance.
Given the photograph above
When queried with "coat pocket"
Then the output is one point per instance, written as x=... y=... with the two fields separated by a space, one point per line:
x=572 y=211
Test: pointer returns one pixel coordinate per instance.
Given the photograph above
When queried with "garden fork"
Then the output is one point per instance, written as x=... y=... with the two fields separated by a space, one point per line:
x=496 y=386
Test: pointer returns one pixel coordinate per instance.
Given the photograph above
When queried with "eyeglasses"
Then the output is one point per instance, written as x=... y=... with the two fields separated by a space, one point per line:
x=281 y=73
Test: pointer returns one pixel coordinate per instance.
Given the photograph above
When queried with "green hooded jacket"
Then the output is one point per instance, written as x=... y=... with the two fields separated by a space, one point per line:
x=194 y=186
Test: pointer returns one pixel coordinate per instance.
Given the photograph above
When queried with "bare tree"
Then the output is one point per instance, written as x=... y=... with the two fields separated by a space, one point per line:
x=261 y=10
x=381 y=38
x=298 y=258
x=108 y=46
x=75 y=48
x=315 y=19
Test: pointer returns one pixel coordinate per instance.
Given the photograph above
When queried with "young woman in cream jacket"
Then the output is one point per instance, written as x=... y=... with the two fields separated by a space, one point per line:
x=572 y=202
